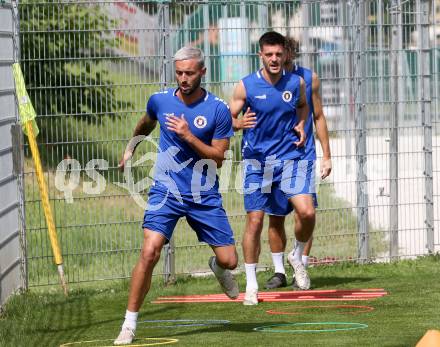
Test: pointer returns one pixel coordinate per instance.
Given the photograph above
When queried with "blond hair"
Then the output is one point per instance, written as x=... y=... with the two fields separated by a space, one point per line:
x=188 y=52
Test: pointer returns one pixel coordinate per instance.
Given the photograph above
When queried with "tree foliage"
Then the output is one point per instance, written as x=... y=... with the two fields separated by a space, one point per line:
x=66 y=49
x=63 y=46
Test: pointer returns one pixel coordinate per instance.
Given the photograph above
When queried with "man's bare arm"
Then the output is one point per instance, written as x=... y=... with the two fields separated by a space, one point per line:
x=302 y=110
x=144 y=127
x=236 y=105
x=321 y=127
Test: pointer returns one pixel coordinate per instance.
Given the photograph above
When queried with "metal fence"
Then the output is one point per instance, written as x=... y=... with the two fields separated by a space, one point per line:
x=90 y=67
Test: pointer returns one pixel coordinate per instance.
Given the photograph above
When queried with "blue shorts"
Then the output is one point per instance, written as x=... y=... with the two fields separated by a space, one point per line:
x=208 y=220
x=269 y=186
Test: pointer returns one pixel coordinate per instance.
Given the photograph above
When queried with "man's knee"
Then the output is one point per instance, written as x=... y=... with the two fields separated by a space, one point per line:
x=150 y=254
x=255 y=223
x=228 y=261
x=306 y=214
x=229 y=264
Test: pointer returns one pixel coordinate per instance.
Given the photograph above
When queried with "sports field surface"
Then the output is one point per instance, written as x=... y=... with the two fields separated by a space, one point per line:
x=408 y=306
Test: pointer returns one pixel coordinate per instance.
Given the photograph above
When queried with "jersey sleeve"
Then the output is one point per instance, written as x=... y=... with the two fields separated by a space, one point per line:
x=223 y=127
x=152 y=107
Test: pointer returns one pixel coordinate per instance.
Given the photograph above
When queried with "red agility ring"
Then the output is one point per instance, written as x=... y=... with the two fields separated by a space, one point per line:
x=361 y=309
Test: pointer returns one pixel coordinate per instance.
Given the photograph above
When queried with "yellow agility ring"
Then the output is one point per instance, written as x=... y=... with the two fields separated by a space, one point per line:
x=159 y=341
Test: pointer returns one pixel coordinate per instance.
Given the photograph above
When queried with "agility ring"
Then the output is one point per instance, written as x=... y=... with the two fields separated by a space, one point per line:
x=301 y=309
x=273 y=327
x=180 y=323
x=159 y=341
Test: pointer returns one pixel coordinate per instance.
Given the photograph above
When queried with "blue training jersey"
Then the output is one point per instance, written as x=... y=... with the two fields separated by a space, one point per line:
x=179 y=169
x=275 y=108
x=306 y=74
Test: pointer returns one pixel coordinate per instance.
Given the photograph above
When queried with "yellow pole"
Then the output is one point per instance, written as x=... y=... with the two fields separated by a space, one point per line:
x=46 y=205
x=27 y=120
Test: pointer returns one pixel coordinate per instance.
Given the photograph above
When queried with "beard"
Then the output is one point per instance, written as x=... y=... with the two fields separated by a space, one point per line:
x=190 y=89
x=269 y=68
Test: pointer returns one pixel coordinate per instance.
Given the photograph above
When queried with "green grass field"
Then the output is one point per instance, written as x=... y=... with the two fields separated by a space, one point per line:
x=44 y=317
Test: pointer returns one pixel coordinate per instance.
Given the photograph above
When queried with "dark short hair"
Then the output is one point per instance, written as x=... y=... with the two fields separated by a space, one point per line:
x=292 y=47
x=272 y=38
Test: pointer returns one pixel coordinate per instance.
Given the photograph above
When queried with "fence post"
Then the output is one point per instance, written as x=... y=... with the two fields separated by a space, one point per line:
x=424 y=89
x=13 y=274
x=18 y=167
x=435 y=115
x=169 y=269
x=165 y=46
x=263 y=16
x=396 y=48
x=207 y=45
x=347 y=68
x=305 y=13
x=361 y=132
x=18 y=154
x=380 y=65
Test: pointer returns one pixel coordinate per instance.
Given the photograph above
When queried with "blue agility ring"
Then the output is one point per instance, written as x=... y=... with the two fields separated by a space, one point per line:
x=180 y=323
x=349 y=326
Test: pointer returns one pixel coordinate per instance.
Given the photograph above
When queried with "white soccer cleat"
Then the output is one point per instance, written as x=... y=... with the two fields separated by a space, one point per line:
x=251 y=297
x=226 y=280
x=125 y=337
x=301 y=277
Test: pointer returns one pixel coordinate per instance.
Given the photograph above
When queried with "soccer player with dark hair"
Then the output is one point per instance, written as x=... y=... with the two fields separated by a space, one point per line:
x=274 y=106
x=277 y=234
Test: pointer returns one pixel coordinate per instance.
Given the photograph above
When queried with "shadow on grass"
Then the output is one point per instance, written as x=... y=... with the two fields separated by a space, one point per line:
x=75 y=318
x=63 y=325
x=227 y=328
x=324 y=283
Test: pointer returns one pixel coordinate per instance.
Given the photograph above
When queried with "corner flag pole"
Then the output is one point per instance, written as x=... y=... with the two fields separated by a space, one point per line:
x=27 y=120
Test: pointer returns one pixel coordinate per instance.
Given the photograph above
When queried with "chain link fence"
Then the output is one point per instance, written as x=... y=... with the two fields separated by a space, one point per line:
x=90 y=67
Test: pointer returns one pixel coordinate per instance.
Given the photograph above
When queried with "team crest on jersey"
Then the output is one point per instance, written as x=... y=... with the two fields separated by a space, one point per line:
x=200 y=122
x=287 y=95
